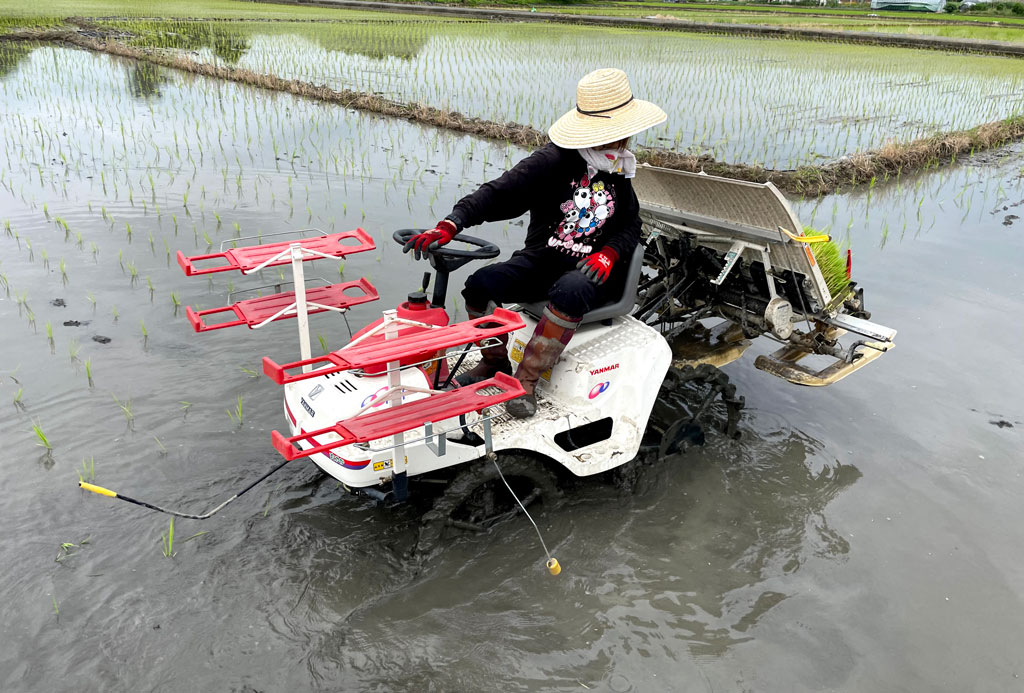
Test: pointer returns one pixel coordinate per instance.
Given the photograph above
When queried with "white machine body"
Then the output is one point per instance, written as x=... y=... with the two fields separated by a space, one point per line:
x=591 y=415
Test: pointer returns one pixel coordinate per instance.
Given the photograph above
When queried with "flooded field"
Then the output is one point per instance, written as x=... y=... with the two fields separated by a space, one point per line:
x=862 y=537
x=740 y=100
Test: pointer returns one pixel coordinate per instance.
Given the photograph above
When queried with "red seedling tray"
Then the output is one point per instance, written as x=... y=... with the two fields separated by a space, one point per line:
x=254 y=311
x=250 y=257
x=380 y=353
x=388 y=421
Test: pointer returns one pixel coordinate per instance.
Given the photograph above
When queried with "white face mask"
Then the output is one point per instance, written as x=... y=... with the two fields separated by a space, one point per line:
x=619 y=161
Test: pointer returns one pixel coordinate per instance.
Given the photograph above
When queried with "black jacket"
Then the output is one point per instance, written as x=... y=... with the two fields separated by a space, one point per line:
x=570 y=215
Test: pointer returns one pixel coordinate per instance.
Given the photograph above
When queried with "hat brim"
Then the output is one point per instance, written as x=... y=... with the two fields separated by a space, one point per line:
x=575 y=130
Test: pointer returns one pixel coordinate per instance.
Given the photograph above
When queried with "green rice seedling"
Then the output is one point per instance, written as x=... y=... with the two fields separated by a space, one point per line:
x=167 y=541
x=323 y=342
x=63 y=272
x=236 y=415
x=46 y=258
x=43 y=440
x=73 y=348
x=185 y=406
x=88 y=473
x=126 y=409
x=152 y=289
x=17 y=398
x=175 y=300
x=249 y=372
x=113 y=310
x=145 y=333
x=88 y=371
x=65 y=550
x=128 y=231
x=196 y=535
x=64 y=225
x=163 y=450
x=49 y=335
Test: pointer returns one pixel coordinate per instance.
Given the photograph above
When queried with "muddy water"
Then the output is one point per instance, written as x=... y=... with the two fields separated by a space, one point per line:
x=859 y=538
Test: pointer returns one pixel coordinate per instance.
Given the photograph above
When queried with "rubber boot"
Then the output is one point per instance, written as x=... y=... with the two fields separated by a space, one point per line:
x=547 y=343
x=493 y=359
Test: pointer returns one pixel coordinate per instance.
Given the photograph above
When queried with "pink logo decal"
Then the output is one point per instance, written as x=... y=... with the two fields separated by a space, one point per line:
x=599 y=388
x=373 y=397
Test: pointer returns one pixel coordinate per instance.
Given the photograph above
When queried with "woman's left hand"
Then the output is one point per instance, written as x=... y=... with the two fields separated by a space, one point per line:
x=597 y=267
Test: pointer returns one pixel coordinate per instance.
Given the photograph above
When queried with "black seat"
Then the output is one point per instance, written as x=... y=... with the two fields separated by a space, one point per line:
x=623 y=306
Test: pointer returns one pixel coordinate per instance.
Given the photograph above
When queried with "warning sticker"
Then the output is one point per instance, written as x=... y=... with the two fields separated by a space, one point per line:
x=516 y=353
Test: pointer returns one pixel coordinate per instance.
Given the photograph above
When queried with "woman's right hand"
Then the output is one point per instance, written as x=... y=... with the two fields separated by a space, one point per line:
x=442 y=234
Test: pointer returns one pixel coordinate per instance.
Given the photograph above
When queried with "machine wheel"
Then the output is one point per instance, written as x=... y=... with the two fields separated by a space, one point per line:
x=694 y=400
x=476 y=499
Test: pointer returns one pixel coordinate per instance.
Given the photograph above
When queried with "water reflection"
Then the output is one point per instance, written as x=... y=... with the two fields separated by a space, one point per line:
x=144 y=80
x=367 y=39
x=684 y=568
x=11 y=55
x=227 y=42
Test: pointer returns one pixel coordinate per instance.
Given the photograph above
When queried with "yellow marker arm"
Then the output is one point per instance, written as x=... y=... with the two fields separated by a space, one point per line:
x=97 y=489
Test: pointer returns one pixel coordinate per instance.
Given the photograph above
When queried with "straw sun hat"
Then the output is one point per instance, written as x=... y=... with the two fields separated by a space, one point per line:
x=605 y=112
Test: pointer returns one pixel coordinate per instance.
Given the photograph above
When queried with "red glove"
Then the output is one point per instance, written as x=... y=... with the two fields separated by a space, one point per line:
x=440 y=235
x=598 y=266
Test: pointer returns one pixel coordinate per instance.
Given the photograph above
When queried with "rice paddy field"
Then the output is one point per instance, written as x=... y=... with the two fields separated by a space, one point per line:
x=861 y=537
x=739 y=100
x=1003 y=28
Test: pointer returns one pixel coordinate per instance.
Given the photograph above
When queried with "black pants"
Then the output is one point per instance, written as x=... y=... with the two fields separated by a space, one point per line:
x=528 y=277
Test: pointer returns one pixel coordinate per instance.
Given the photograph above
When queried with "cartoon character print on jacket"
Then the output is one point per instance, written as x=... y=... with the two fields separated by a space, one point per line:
x=587 y=211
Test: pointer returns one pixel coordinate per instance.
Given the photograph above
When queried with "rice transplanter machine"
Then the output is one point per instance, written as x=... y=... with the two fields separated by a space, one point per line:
x=721 y=263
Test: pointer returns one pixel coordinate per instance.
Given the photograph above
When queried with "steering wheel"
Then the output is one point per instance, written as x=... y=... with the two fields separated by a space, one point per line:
x=484 y=250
